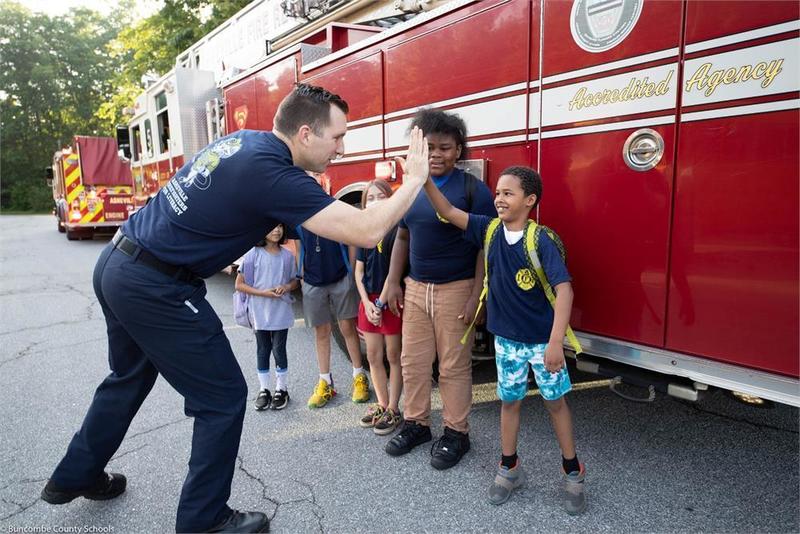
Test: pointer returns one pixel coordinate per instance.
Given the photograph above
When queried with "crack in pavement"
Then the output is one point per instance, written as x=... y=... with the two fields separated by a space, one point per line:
x=22 y=507
x=319 y=514
x=118 y=456
x=24 y=481
x=89 y=310
x=44 y=327
x=159 y=427
x=87 y=315
x=27 y=351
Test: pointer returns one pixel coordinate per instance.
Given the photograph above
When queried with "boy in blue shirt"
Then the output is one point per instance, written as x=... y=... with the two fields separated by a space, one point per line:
x=328 y=283
x=527 y=329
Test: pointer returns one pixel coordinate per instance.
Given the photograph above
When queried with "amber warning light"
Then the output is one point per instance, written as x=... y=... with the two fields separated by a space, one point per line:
x=385 y=170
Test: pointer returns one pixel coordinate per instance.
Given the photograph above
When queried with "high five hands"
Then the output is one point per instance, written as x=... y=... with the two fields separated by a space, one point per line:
x=415 y=166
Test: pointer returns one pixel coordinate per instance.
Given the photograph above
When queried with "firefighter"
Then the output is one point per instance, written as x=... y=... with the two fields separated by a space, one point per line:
x=149 y=281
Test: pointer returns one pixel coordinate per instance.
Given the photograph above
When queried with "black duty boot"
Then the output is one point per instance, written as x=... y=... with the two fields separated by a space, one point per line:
x=243 y=522
x=107 y=486
x=410 y=435
x=448 y=450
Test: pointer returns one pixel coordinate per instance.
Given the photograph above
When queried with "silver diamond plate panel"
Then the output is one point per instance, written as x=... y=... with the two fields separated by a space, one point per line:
x=195 y=88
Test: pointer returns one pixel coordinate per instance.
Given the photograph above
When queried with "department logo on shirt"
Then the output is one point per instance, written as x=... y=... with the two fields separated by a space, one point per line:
x=525 y=279
x=207 y=160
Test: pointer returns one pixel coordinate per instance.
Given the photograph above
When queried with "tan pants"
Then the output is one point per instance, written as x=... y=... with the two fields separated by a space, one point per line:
x=431 y=325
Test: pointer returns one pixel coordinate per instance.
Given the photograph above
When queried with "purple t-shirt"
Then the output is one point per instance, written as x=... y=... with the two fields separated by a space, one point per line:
x=270 y=270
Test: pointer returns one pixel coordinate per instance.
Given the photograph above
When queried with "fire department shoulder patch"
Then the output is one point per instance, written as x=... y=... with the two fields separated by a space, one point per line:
x=599 y=25
x=525 y=279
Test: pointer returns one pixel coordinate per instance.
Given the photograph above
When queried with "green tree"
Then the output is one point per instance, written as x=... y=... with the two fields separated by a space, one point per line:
x=151 y=45
x=53 y=72
x=74 y=74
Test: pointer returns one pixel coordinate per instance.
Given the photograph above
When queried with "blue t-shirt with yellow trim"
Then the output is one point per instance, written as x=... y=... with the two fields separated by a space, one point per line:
x=438 y=252
x=517 y=307
x=225 y=200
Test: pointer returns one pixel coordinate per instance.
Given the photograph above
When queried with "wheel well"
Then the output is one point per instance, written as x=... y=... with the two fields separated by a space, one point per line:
x=353 y=198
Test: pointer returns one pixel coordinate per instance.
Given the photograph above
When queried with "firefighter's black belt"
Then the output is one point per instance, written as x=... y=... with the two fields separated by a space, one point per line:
x=129 y=247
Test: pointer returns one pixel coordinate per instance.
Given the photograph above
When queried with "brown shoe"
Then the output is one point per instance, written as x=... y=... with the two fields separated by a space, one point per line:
x=387 y=423
x=373 y=415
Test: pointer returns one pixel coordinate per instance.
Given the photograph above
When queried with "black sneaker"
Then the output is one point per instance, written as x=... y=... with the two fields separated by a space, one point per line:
x=263 y=400
x=410 y=435
x=280 y=400
x=448 y=450
x=108 y=486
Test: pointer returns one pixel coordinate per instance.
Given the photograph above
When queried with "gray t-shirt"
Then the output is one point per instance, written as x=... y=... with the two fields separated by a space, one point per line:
x=271 y=270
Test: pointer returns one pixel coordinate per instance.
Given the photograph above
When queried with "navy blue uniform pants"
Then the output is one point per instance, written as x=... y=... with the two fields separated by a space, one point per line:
x=158 y=325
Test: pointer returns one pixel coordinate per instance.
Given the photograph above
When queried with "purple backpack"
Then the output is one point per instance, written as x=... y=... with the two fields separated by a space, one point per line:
x=241 y=301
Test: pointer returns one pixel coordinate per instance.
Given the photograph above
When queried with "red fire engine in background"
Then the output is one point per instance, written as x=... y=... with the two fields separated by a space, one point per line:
x=667 y=137
x=91 y=186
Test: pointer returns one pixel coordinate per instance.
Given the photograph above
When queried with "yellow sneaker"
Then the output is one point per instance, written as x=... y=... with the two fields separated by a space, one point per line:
x=322 y=394
x=360 y=388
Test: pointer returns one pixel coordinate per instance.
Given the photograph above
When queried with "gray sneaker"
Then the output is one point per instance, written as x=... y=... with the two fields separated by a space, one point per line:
x=505 y=482
x=574 y=494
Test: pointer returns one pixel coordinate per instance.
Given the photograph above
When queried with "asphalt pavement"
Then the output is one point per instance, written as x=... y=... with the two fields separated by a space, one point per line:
x=665 y=466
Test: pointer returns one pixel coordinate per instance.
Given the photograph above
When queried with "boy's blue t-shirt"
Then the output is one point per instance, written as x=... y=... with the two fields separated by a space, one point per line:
x=225 y=200
x=326 y=266
x=438 y=252
x=376 y=262
x=522 y=315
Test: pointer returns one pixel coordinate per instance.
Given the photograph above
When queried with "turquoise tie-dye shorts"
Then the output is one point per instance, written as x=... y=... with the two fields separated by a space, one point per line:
x=512 y=360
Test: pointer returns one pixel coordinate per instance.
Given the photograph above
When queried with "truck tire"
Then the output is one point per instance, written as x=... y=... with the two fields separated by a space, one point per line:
x=61 y=227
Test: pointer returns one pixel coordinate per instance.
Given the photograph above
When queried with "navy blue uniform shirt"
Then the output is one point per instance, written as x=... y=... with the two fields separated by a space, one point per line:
x=515 y=310
x=225 y=200
x=325 y=266
x=376 y=262
x=438 y=252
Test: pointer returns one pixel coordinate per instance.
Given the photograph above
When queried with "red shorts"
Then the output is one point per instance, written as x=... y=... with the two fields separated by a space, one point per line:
x=391 y=324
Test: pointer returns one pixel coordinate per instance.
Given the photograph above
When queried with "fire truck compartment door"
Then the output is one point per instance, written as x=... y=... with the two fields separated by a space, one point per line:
x=609 y=70
x=734 y=267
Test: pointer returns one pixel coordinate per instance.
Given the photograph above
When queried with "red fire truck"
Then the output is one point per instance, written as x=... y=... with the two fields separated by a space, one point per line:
x=652 y=123
x=91 y=187
x=667 y=137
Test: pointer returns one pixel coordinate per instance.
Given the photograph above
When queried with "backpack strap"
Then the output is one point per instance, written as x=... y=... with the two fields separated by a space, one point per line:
x=532 y=232
x=346 y=257
x=249 y=267
x=301 y=252
x=470 y=186
x=488 y=238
